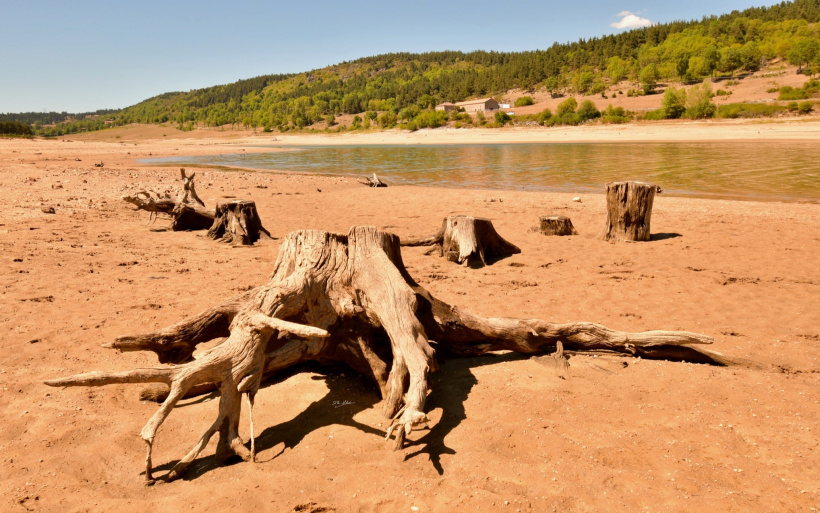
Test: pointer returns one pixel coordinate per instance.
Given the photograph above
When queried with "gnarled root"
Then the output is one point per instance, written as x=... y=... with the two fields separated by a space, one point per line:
x=355 y=288
x=234 y=366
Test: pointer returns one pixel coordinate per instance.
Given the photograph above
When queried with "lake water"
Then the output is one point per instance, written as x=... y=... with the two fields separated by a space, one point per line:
x=784 y=171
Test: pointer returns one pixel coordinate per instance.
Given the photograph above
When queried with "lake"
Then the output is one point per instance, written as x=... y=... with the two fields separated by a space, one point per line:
x=782 y=171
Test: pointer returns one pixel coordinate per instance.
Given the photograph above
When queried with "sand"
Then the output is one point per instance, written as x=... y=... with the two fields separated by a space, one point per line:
x=507 y=433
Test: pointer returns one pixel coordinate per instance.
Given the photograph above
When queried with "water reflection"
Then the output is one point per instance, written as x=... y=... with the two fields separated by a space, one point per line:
x=774 y=170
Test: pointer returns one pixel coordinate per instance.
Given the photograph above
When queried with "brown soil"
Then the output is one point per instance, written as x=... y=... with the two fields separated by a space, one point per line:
x=507 y=433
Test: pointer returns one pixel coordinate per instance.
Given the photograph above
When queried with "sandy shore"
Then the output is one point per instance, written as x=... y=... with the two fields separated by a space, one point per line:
x=507 y=434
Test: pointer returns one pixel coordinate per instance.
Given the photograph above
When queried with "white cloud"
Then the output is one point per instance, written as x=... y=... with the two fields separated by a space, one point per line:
x=629 y=21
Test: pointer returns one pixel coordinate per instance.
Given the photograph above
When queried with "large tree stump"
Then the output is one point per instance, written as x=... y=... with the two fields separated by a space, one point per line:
x=629 y=209
x=467 y=240
x=336 y=298
x=237 y=222
x=556 y=225
x=187 y=211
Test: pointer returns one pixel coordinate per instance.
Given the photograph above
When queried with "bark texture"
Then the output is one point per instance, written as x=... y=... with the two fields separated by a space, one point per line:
x=237 y=222
x=628 y=211
x=556 y=225
x=348 y=299
x=187 y=211
x=468 y=240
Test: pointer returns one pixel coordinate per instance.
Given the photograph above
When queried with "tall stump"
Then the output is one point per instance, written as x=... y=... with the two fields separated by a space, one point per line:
x=556 y=225
x=629 y=209
x=237 y=222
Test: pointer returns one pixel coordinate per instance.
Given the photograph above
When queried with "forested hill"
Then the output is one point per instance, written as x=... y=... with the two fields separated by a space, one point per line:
x=680 y=50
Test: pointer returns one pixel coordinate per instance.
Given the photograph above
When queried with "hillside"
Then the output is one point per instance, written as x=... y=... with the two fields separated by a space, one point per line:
x=398 y=87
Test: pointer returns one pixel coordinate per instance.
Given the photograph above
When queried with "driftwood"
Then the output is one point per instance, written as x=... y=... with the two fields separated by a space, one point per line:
x=628 y=211
x=555 y=225
x=187 y=211
x=372 y=181
x=467 y=240
x=237 y=222
x=348 y=299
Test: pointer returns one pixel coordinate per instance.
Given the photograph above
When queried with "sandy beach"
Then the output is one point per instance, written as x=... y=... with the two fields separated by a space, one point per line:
x=507 y=434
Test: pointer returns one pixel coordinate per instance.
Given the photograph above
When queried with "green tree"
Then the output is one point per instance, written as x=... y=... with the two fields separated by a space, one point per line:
x=699 y=101
x=674 y=102
x=649 y=78
x=803 y=52
x=617 y=69
x=730 y=59
x=551 y=85
x=587 y=110
x=567 y=106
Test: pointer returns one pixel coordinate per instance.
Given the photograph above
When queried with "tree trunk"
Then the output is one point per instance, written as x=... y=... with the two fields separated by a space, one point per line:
x=556 y=225
x=468 y=240
x=336 y=298
x=629 y=209
x=187 y=211
x=237 y=222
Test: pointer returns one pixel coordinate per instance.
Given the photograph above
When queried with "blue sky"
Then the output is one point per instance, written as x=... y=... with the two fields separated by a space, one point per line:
x=83 y=55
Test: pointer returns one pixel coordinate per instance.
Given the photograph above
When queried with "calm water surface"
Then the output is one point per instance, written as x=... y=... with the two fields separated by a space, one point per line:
x=786 y=171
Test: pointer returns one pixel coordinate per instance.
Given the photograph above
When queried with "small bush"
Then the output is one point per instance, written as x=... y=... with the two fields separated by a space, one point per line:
x=791 y=106
x=805 y=107
x=524 y=101
x=566 y=107
x=749 y=110
x=790 y=93
x=588 y=111
x=502 y=118
x=543 y=116
x=772 y=90
x=721 y=92
x=654 y=115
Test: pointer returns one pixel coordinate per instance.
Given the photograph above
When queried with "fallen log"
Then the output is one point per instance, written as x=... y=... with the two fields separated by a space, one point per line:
x=187 y=211
x=372 y=181
x=467 y=240
x=335 y=298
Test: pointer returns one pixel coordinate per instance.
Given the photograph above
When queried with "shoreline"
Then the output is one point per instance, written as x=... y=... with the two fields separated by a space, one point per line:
x=91 y=270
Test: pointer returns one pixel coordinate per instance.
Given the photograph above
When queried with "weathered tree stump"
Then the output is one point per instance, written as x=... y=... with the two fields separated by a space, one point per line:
x=237 y=222
x=336 y=298
x=467 y=240
x=629 y=209
x=372 y=181
x=187 y=211
x=556 y=225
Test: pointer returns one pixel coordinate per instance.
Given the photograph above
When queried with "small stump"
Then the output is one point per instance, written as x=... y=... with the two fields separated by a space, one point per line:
x=468 y=240
x=556 y=225
x=629 y=209
x=237 y=222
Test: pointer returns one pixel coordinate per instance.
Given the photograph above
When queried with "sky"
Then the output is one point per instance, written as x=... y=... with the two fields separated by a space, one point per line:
x=84 y=55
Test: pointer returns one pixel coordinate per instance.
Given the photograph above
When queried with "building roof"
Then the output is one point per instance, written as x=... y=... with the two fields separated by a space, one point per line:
x=471 y=102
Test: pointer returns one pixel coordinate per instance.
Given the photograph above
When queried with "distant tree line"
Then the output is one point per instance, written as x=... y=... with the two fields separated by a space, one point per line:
x=387 y=85
x=15 y=128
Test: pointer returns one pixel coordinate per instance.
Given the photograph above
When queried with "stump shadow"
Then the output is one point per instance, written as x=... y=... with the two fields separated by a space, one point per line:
x=451 y=386
x=349 y=394
x=663 y=236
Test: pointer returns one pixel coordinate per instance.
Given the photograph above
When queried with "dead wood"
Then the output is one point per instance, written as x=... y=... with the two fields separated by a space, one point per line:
x=467 y=240
x=348 y=299
x=186 y=211
x=237 y=222
x=556 y=225
x=629 y=211
x=372 y=181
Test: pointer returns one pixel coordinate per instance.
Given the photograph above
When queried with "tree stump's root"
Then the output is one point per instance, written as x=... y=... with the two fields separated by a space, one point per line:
x=372 y=181
x=468 y=240
x=237 y=222
x=355 y=288
x=187 y=211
